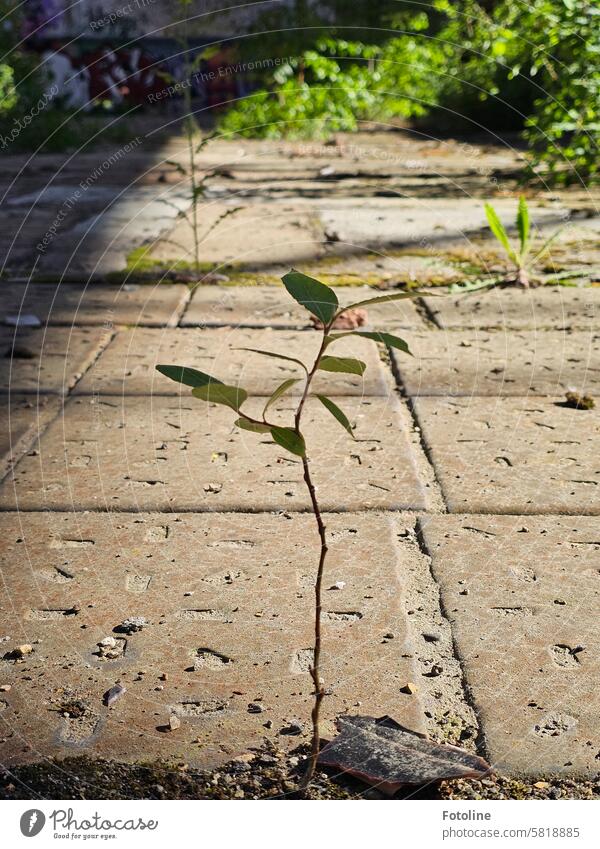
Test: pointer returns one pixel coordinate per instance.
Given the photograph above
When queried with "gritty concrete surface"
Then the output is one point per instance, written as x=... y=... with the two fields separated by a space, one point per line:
x=49 y=359
x=270 y=306
x=522 y=595
x=113 y=453
x=542 y=308
x=271 y=234
x=22 y=419
x=513 y=455
x=227 y=601
x=221 y=652
x=480 y=362
x=128 y=365
x=393 y=222
x=70 y=304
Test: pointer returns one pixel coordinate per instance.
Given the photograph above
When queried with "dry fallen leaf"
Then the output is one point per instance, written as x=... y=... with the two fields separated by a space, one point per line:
x=384 y=753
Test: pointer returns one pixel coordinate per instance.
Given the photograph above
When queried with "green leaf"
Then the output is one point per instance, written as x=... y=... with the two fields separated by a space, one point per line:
x=188 y=376
x=316 y=297
x=290 y=440
x=337 y=413
x=523 y=225
x=473 y=286
x=545 y=247
x=386 y=338
x=380 y=299
x=281 y=390
x=498 y=230
x=254 y=427
x=220 y=393
x=348 y=365
x=273 y=354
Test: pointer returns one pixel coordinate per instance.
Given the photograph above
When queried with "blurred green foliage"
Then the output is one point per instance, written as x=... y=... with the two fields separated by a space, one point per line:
x=494 y=64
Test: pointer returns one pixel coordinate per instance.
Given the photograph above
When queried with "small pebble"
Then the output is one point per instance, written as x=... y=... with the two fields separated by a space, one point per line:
x=431 y=637
x=174 y=722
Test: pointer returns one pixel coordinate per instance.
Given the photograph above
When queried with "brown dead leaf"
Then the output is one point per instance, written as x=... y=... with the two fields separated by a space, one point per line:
x=382 y=752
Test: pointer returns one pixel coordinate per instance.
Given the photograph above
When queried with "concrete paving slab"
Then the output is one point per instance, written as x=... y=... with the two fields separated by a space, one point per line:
x=513 y=455
x=105 y=231
x=48 y=360
x=427 y=222
x=22 y=419
x=480 y=362
x=71 y=304
x=71 y=579
x=271 y=306
x=181 y=454
x=127 y=366
x=546 y=307
x=255 y=235
x=522 y=596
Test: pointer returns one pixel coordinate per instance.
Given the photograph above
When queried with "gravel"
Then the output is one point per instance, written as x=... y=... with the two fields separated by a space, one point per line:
x=268 y=773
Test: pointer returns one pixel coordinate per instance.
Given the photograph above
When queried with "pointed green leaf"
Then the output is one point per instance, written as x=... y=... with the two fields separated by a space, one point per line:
x=281 y=390
x=523 y=225
x=316 y=297
x=545 y=247
x=498 y=230
x=386 y=338
x=290 y=440
x=336 y=413
x=473 y=286
x=220 y=393
x=254 y=427
x=348 y=365
x=381 y=299
x=188 y=376
x=273 y=354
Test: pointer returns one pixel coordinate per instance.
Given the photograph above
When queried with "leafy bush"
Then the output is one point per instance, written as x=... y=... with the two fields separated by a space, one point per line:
x=529 y=65
x=524 y=66
x=339 y=83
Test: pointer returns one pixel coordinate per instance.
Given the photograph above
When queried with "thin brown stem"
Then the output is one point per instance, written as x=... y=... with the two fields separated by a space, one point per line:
x=315 y=669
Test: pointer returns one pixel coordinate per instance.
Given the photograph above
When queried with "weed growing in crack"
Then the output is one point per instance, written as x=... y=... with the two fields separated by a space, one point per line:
x=521 y=257
x=322 y=303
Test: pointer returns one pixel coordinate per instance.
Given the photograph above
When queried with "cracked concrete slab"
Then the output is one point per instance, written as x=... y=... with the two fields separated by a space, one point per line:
x=546 y=307
x=513 y=455
x=479 y=362
x=22 y=419
x=232 y=678
x=72 y=304
x=48 y=360
x=522 y=594
x=127 y=366
x=181 y=454
x=272 y=306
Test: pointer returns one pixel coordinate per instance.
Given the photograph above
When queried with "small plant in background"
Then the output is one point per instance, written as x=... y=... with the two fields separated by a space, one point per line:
x=195 y=142
x=521 y=257
x=322 y=303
